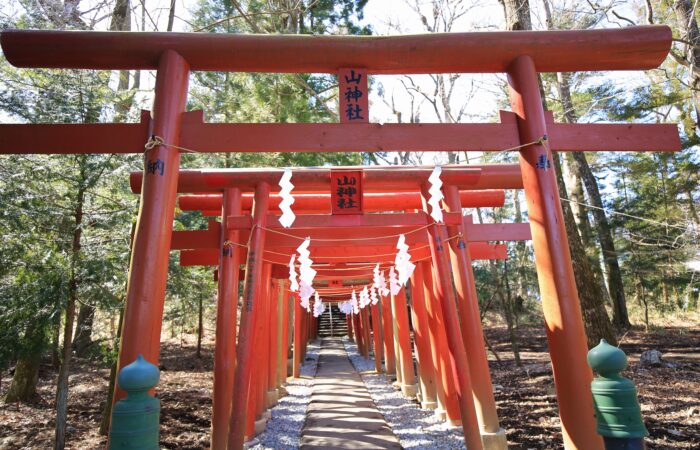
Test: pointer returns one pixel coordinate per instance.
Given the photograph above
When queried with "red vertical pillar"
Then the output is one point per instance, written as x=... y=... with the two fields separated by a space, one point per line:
x=263 y=341
x=274 y=344
x=298 y=336
x=442 y=362
x=493 y=436
x=358 y=333
x=458 y=356
x=388 y=328
x=251 y=298
x=408 y=377
x=560 y=303
x=377 y=337
x=226 y=312
x=421 y=339
x=364 y=316
x=143 y=317
x=348 y=319
x=283 y=327
x=305 y=330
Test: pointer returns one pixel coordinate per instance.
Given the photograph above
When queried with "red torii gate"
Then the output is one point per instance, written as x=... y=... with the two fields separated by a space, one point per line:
x=520 y=54
x=375 y=248
x=203 y=248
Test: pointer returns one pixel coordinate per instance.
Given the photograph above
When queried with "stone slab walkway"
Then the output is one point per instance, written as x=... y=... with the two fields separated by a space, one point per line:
x=341 y=413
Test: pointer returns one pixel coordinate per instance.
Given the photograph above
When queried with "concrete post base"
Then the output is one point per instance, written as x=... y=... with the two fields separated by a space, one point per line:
x=494 y=441
x=272 y=397
x=454 y=423
x=441 y=414
x=428 y=404
x=409 y=390
x=260 y=425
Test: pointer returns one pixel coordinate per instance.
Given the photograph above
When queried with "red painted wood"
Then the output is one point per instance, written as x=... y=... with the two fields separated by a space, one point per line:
x=353 y=96
x=252 y=292
x=226 y=326
x=470 y=319
x=374 y=237
x=627 y=48
x=376 y=178
x=421 y=338
x=560 y=303
x=328 y=137
x=298 y=336
x=377 y=337
x=271 y=325
x=143 y=316
x=387 y=333
x=210 y=257
x=459 y=378
x=346 y=192
x=320 y=203
x=384 y=222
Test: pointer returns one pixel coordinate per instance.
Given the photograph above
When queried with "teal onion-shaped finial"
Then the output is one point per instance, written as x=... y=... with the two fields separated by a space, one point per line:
x=617 y=410
x=136 y=418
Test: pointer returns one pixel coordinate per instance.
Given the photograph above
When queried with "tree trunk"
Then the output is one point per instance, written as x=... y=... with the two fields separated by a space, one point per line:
x=24 y=381
x=63 y=374
x=200 y=327
x=83 y=330
x=121 y=21
x=107 y=410
x=583 y=170
x=55 y=338
x=595 y=317
x=509 y=311
x=607 y=244
x=688 y=27
x=517 y=14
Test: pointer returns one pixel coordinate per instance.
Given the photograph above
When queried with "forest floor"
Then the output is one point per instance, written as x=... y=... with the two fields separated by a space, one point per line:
x=669 y=395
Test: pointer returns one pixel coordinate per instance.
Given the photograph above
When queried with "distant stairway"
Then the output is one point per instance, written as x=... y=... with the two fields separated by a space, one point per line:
x=339 y=324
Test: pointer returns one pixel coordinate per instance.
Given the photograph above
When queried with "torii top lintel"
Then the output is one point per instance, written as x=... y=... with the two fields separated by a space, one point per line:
x=631 y=48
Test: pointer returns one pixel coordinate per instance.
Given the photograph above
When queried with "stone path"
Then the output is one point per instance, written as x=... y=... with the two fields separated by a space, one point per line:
x=341 y=413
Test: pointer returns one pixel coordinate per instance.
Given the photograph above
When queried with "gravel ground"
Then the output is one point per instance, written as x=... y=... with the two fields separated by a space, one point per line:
x=416 y=428
x=283 y=431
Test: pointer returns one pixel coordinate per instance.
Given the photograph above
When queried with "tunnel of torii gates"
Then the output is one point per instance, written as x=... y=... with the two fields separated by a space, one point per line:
x=447 y=295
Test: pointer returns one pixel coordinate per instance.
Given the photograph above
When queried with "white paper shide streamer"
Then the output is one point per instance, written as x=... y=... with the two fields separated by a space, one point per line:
x=306 y=273
x=373 y=295
x=435 y=194
x=403 y=264
x=287 y=218
x=319 y=307
x=364 y=297
x=355 y=303
x=346 y=307
x=379 y=282
x=293 y=282
x=394 y=285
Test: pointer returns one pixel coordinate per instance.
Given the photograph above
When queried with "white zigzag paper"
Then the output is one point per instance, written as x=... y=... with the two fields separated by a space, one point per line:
x=355 y=304
x=383 y=291
x=306 y=273
x=403 y=263
x=373 y=295
x=318 y=305
x=435 y=194
x=287 y=218
x=394 y=285
x=293 y=283
x=364 y=297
